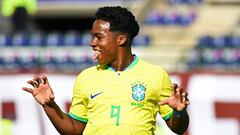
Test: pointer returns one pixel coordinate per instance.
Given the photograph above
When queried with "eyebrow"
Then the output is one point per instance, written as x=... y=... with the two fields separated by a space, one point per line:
x=97 y=34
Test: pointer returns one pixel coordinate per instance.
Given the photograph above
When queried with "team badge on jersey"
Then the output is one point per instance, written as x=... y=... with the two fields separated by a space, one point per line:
x=138 y=91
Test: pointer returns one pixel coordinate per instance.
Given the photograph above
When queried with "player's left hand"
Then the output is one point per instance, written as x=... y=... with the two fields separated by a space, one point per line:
x=178 y=100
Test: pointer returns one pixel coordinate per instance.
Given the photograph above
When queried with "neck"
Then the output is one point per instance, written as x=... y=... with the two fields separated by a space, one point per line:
x=123 y=60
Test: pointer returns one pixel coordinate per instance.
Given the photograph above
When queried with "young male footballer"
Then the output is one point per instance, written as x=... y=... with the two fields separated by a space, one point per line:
x=123 y=93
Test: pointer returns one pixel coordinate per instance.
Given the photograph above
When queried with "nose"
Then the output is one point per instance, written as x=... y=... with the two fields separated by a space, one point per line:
x=93 y=42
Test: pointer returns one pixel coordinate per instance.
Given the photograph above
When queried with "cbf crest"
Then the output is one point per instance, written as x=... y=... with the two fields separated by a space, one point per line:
x=138 y=91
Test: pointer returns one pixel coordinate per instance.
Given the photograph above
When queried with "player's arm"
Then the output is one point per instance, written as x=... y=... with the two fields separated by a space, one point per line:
x=62 y=122
x=179 y=121
x=43 y=94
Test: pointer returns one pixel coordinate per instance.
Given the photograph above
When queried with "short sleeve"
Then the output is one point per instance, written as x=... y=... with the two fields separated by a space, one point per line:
x=165 y=92
x=78 y=109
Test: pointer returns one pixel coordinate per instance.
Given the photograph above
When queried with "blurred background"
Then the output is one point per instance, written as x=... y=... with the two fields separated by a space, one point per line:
x=196 y=41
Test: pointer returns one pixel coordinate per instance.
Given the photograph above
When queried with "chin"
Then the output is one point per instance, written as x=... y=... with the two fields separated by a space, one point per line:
x=103 y=62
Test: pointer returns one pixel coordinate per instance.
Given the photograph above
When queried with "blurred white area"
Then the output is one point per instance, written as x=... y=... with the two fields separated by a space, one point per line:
x=180 y=35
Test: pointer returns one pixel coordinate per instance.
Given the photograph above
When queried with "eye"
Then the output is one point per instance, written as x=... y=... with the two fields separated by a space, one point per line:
x=99 y=37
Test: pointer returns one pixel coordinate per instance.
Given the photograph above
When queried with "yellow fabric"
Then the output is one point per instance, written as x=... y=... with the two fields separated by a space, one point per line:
x=6 y=127
x=9 y=6
x=116 y=108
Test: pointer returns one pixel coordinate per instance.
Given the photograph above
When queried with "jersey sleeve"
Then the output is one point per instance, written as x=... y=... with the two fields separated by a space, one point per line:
x=78 y=109
x=165 y=92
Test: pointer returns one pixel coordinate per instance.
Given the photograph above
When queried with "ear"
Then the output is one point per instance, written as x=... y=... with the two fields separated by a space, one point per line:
x=122 y=39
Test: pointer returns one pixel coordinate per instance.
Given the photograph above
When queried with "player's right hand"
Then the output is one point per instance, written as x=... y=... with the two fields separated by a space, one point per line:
x=41 y=91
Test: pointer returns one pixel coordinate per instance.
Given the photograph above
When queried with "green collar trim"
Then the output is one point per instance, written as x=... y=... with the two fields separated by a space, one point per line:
x=134 y=62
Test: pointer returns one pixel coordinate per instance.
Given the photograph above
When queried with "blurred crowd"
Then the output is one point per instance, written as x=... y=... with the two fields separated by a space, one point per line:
x=25 y=47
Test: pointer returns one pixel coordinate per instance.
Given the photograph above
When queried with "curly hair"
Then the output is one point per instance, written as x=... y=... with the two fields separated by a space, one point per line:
x=120 y=19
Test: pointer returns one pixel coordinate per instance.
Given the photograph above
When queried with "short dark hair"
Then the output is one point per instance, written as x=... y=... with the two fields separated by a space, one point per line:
x=120 y=19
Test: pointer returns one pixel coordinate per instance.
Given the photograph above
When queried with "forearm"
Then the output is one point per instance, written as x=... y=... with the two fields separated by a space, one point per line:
x=61 y=121
x=178 y=123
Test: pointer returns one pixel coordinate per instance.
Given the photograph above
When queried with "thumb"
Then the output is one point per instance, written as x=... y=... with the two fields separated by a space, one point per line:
x=52 y=97
x=163 y=102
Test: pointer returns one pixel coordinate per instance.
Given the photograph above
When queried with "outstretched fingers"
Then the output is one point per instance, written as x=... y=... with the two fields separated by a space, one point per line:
x=35 y=83
x=39 y=80
x=29 y=90
x=175 y=86
x=185 y=99
x=178 y=90
x=164 y=102
x=40 y=89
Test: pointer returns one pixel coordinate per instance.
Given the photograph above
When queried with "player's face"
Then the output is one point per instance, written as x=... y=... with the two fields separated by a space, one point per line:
x=104 y=43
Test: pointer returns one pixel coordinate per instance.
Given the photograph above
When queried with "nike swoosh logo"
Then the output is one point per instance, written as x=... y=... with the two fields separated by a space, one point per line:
x=93 y=96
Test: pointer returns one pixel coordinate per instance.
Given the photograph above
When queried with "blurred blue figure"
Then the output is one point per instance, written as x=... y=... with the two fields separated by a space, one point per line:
x=236 y=41
x=205 y=41
x=3 y=39
x=192 y=2
x=238 y=60
x=19 y=39
x=54 y=39
x=81 y=60
x=12 y=62
x=48 y=62
x=175 y=1
x=154 y=17
x=29 y=61
x=230 y=57
x=222 y=41
x=64 y=62
x=141 y=40
x=170 y=18
x=86 y=38
x=187 y=18
x=36 y=39
x=1 y=63
x=193 y=58
x=72 y=38
x=212 y=57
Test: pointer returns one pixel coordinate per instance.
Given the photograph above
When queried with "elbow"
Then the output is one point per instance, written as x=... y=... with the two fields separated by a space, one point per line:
x=179 y=132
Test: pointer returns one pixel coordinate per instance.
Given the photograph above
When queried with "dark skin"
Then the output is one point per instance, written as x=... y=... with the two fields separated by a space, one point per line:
x=110 y=48
x=179 y=102
x=44 y=95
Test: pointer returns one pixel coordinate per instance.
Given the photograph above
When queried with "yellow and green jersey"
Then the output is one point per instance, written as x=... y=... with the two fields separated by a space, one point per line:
x=121 y=103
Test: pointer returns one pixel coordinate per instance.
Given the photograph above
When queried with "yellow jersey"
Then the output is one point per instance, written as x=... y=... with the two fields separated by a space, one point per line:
x=121 y=103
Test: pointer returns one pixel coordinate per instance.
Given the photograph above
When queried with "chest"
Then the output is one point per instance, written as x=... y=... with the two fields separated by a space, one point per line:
x=129 y=89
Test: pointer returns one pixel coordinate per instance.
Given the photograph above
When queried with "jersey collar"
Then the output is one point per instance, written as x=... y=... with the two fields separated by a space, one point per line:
x=134 y=62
